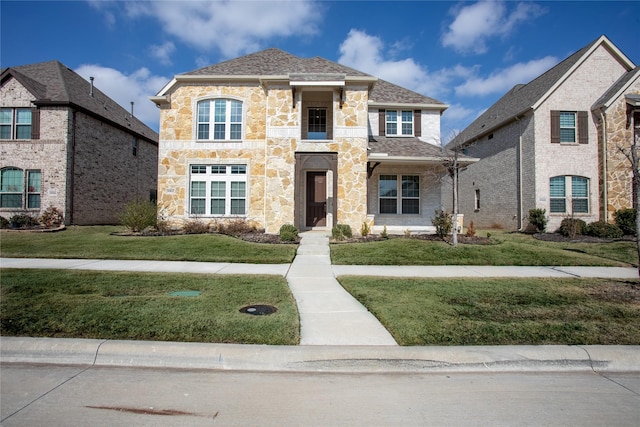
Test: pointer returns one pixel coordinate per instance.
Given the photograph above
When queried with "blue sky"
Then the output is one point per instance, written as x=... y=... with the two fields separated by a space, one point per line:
x=465 y=54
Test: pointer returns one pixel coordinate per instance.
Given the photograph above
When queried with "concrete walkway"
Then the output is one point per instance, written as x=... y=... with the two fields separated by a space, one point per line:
x=329 y=315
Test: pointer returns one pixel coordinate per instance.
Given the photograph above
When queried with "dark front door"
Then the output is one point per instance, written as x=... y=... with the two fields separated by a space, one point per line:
x=316 y=199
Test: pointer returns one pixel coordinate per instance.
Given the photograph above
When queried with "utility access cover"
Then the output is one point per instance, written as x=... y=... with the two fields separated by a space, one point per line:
x=185 y=293
x=258 y=310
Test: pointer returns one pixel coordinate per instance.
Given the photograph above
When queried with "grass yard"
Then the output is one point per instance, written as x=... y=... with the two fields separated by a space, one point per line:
x=502 y=311
x=97 y=242
x=137 y=306
x=506 y=249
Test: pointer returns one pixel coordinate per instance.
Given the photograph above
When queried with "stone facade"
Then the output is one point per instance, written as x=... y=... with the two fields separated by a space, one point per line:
x=88 y=170
x=619 y=191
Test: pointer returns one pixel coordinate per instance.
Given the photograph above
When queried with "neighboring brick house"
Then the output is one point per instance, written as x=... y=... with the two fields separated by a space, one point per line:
x=65 y=144
x=276 y=139
x=540 y=145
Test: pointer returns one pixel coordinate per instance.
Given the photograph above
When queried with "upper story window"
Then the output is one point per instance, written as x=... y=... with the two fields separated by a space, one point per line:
x=219 y=119
x=317 y=119
x=399 y=123
x=20 y=190
x=15 y=123
x=569 y=127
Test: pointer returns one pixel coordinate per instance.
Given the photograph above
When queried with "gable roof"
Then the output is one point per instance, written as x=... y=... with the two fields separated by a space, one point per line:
x=617 y=89
x=52 y=83
x=276 y=64
x=525 y=97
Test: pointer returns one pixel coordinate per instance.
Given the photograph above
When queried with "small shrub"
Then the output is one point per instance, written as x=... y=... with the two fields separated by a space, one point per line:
x=471 y=230
x=365 y=229
x=488 y=235
x=51 y=217
x=138 y=215
x=22 y=221
x=407 y=232
x=288 y=233
x=572 y=227
x=341 y=232
x=604 y=230
x=195 y=226
x=384 y=233
x=443 y=223
x=626 y=220
x=4 y=222
x=538 y=218
x=236 y=227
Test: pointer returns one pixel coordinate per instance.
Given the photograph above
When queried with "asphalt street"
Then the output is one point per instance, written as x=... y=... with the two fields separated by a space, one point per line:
x=57 y=395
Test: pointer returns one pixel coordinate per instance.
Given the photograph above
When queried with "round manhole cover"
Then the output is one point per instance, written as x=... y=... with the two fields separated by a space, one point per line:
x=258 y=310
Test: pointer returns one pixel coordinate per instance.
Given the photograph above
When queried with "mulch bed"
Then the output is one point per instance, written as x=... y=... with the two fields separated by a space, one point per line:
x=557 y=237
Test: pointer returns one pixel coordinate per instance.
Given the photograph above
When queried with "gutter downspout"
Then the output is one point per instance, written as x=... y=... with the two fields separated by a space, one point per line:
x=520 y=203
x=604 y=167
x=72 y=166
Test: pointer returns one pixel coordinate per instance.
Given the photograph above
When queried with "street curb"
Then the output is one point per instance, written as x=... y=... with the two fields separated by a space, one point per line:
x=334 y=359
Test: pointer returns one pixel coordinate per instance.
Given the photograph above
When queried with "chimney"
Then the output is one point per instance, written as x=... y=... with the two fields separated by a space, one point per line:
x=91 y=80
x=131 y=108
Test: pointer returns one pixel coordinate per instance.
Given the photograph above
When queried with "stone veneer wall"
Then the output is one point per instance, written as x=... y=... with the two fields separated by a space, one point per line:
x=270 y=141
x=619 y=173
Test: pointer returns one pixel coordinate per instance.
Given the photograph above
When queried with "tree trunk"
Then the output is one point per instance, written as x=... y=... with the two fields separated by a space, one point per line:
x=454 y=235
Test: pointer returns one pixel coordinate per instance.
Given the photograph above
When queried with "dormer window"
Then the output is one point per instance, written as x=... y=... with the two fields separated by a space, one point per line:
x=219 y=119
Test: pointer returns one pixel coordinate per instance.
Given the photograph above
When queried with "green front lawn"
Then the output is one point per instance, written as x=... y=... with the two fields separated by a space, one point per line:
x=505 y=249
x=137 y=306
x=97 y=242
x=502 y=311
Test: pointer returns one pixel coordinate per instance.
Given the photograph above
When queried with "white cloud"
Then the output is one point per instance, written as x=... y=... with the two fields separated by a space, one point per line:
x=233 y=27
x=473 y=25
x=124 y=88
x=163 y=52
x=366 y=53
x=503 y=80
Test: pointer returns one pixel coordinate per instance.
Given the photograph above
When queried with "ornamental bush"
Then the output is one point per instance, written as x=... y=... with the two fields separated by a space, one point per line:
x=443 y=222
x=538 y=219
x=604 y=230
x=288 y=233
x=626 y=220
x=341 y=232
x=572 y=227
x=138 y=215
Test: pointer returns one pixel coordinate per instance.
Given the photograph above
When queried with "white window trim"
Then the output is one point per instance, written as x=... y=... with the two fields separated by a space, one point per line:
x=227 y=177
x=568 y=196
x=399 y=122
x=575 y=127
x=211 y=123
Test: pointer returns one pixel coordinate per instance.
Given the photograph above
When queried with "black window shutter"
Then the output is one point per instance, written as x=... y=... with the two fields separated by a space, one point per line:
x=382 y=128
x=555 y=127
x=35 y=123
x=583 y=127
x=417 y=124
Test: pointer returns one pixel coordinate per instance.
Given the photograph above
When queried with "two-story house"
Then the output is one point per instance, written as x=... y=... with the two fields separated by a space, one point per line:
x=276 y=139
x=65 y=144
x=542 y=144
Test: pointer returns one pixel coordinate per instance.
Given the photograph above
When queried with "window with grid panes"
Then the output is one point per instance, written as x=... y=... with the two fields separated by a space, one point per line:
x=15 y=123
x=219 y=119
x=218 y=190
x=408 y=190
x=399 y=123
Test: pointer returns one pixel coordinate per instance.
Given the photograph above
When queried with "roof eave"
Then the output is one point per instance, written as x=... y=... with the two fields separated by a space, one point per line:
x=384 y=158
x=408 y=105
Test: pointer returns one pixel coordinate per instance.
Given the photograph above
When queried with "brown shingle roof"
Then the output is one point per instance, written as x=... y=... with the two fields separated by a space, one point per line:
x=395 y=147
x=385 y=92
x=53 y=83
x=519 y=99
